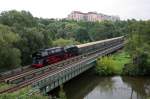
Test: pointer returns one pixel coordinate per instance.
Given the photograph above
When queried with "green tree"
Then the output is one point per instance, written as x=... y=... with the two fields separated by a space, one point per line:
x=32 y=39
x=103 y=30
x=64 y=42
x=9 y=54
x=13 y=17
x=139 y=47
x=38 y=33
x=81 y=35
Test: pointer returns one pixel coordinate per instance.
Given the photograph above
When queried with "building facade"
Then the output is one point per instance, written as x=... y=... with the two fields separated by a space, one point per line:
x=91 y=16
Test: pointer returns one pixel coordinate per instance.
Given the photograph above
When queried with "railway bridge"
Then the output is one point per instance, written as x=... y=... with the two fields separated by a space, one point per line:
x=49 y=77
x=73 y=67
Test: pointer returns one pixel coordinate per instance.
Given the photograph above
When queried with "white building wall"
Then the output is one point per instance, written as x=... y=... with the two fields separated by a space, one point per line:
x=91 y=16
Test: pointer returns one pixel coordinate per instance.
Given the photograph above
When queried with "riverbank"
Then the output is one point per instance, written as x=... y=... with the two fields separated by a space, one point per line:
x=23 y=93
x=112 y=64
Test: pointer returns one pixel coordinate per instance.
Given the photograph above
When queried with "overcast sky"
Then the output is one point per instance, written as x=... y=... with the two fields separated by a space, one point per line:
x=126 y=9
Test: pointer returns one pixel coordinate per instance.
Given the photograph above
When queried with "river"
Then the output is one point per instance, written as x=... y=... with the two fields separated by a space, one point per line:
x=90 y=86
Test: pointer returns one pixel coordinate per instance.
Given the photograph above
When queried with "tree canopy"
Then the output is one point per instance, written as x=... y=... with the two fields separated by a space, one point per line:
x=21 y=34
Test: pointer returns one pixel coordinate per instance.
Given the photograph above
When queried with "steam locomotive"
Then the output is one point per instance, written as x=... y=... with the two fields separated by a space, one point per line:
x=48 y=56
x=53 y=55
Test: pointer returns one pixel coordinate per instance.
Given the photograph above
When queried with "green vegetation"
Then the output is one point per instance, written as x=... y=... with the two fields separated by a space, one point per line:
x=7 y=50
x=112 y=65
x=22 y=94
x=64 y=42
x=62 y=94
x=22 y=34
x=26 y=93
x=121 y=59
x=138 y=46
x=4 y=86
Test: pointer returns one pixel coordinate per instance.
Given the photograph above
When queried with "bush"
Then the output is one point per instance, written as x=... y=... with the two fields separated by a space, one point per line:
x=112 y=65
x=106 y=66
x=138 y=66
x=130 y=69
x=22 y=94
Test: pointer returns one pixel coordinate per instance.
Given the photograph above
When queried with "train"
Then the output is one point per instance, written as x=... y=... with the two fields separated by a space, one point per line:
x=53 y=55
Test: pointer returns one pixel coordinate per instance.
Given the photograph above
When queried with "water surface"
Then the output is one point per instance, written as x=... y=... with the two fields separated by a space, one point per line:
x=90 y=86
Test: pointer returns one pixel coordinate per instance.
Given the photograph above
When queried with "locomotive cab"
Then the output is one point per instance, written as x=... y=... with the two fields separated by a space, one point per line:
x=37 y=63
x=72 y=49
x=37 y=59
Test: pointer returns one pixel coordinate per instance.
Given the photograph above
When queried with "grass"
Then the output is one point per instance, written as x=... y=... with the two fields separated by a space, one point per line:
x=113 y=64
x=4 y=86
x=120 y=59
x=23 y=93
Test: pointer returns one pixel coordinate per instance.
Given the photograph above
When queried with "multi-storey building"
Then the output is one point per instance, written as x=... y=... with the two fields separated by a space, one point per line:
x=76 y=15
x=90 y=16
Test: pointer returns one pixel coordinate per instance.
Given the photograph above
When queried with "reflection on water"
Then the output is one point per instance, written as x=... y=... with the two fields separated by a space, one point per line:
x=90 y=86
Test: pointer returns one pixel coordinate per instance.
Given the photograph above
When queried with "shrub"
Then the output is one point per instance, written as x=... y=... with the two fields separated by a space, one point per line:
x=106 y=66
x=22 y=94
x=112 y=65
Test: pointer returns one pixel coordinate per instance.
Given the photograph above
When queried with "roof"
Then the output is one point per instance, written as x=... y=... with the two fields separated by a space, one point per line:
x=101 y=41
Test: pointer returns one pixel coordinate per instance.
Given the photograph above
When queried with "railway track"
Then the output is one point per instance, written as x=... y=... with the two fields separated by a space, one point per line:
x=30 y=81
x=39 y=76
x=15 y=72
x=25 y=83
x=29 y=77
x=32 y=73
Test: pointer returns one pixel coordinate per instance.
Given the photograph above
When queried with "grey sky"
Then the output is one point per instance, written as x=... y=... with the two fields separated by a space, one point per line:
x=138 y=9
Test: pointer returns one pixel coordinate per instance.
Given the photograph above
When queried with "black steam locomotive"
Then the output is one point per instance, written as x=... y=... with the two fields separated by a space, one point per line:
x=53 y=55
